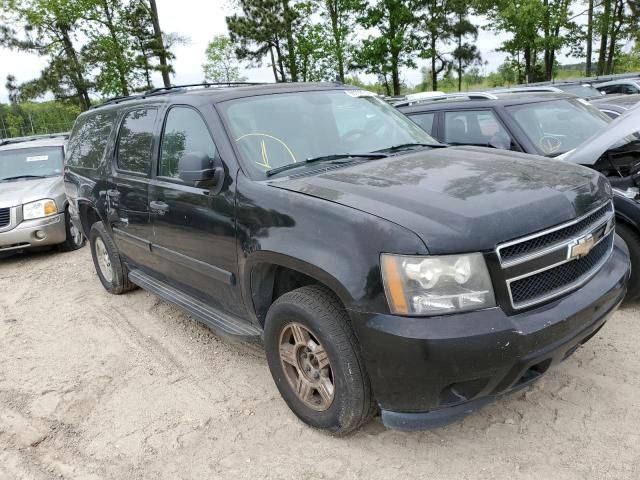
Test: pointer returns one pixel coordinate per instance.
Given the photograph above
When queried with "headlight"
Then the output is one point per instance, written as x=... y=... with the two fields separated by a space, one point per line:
x=436 y=285
x=39 y=209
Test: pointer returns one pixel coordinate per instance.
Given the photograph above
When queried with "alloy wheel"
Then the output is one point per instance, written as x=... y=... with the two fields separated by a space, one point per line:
x=104 y=260
x=306 y=366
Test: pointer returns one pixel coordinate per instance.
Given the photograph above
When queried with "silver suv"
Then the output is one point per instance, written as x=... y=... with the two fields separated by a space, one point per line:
x=33 y=205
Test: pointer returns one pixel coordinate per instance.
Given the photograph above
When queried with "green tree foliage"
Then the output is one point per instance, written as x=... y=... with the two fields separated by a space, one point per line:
x=221 y=63
x=108 y=47
x=36 y=118
x=395 y=44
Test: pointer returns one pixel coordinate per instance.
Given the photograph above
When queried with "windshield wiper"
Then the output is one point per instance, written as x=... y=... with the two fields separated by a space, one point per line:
x=22 y=176
x=405 y=146
x=324 y=158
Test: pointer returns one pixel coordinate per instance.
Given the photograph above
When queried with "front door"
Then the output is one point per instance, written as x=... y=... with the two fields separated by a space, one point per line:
x=193 y=229
x=128 y=188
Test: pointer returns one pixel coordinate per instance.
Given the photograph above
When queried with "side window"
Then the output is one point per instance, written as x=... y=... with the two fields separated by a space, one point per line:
x=629 y=89
x=475 y=127
x=89 y=138
x=425 y=121
x=135 y=141
x=184 y=132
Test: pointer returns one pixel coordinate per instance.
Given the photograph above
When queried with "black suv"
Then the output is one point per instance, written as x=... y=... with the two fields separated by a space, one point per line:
x=380 y=269
x=555 y=125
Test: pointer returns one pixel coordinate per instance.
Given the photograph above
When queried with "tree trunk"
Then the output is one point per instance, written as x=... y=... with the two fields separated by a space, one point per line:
x=291 y=47
x=604 y=36
x=434 y=72
x=273 y=63
x=332 y=7
x=119 y=59
x=283 y=76
x=527 y=64
x=548 y=64
x=589 y=37
x=616 y=25
x=161 y=52
x=459 y=54
x=79 y=82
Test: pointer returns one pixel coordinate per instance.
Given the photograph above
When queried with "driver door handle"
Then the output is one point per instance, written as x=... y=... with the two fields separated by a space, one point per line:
x=158 y=207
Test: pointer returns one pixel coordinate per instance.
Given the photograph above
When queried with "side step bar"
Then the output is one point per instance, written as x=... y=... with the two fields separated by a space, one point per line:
x=221 y=323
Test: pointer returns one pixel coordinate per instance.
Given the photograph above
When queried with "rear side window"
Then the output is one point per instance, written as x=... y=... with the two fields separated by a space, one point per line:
x=425 y=120
x=184 y=132
x=135 y=140
x=89 y=138
x=479 y=127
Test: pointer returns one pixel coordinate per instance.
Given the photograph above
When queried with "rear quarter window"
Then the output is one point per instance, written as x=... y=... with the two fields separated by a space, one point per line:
x=89 y=139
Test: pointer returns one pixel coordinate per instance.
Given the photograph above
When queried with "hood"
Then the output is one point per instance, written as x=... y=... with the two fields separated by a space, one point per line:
x=19 y=192
x=461 y=199
x=590 y=151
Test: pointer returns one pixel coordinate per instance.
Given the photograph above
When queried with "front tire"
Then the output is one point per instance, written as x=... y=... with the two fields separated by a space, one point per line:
x=632 y=238
x=110 y=268
x=315 y=362
x=75 y=239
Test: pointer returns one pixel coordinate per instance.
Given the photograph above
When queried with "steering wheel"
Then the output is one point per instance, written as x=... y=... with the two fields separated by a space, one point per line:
x=349 y=136
x=264 y=161
x=549 y=144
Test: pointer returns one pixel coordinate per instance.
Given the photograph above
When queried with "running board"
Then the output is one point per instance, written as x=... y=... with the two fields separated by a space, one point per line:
x=221 y=323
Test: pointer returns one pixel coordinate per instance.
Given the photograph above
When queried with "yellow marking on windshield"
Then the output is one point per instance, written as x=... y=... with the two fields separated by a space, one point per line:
x=265 y=158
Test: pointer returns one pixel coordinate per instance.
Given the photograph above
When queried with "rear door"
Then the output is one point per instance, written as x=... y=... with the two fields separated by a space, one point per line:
x=480 y=127
x=128 y=189
x=193 y=228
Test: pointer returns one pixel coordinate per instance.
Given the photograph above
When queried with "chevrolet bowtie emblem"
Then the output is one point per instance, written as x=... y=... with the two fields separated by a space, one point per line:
x=582 y=247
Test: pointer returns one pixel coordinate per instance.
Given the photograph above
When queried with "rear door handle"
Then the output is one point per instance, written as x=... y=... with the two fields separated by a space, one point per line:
x=158 y=207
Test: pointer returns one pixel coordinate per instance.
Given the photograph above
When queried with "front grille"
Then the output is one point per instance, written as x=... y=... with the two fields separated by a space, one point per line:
x=543 y=284
x=512 y=252
x=5 y=217
x=553 y=262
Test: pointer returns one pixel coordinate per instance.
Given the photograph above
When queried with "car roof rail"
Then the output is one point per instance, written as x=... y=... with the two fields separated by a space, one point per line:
x=172 y=89
x=448 y=96
x=538 y=88
x=31 y=138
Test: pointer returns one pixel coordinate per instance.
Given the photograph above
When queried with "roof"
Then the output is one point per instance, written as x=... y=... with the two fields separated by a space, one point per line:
x=621 y=81
x=52 y=140
x=501 y=99
x=222 y=92
x=623 y=101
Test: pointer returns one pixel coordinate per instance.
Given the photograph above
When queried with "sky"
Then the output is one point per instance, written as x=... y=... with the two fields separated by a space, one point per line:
x=199 y=21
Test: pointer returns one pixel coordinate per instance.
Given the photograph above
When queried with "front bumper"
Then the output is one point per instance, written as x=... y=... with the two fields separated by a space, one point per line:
x=23 y=235
x=427 y=372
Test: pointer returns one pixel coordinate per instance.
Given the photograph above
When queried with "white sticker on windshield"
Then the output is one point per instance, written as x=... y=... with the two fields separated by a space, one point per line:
x=359 y=93
x=38 y=158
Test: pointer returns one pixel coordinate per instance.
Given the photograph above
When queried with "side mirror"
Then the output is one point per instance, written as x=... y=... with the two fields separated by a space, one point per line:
x=197 y=168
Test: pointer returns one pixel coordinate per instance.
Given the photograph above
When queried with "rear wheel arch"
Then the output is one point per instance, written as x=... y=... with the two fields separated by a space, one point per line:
x=88 y=216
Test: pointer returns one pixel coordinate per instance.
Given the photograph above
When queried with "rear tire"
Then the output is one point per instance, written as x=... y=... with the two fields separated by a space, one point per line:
x=110 y=268
x=75 y=239
x=311 y=349
x=632 y=238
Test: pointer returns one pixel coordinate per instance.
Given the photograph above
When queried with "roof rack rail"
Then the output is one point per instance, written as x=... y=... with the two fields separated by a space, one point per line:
x=30 y=138
x=448 y=96
x=539 y=88
x=172 y=88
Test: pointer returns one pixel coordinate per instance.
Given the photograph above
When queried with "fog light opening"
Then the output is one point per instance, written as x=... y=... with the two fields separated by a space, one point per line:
x=40 y=234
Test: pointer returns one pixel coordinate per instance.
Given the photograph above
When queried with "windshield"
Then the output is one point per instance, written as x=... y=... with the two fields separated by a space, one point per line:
x=558 y=126
x=582 y=91
x=275 y=130
x=31 y=162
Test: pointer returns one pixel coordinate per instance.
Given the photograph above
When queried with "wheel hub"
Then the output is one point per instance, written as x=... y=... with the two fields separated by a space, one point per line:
x=306 y=366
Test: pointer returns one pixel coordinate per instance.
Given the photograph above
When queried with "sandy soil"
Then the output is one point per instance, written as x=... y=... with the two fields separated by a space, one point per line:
x=98 y=386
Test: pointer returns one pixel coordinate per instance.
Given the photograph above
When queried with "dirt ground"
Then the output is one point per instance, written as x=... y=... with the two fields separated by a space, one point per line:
x=97 y=386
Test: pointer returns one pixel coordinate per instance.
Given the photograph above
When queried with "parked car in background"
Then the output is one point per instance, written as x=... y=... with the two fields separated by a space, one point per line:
x=33 y=204
x=615 y=105
x=380 y=268
x=625 y=86
x=551 y=125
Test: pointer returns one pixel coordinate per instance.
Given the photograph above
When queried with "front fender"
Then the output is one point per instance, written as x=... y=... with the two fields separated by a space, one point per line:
x=337 y=245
